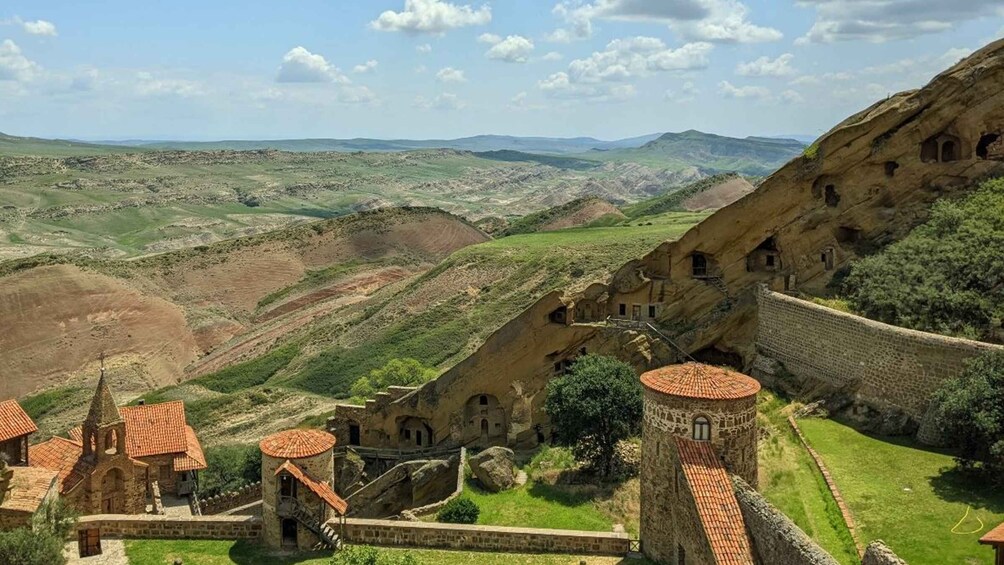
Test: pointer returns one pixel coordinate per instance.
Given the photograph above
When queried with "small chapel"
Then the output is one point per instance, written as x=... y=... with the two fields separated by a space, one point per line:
x=110 y=463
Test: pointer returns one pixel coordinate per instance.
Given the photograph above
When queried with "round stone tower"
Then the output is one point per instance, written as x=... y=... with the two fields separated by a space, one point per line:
x=297 y=469
x=692 y=402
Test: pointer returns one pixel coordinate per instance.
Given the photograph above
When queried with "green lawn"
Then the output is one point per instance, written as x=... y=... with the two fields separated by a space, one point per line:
x=538 y=505
x=790 y=481
x=164 y=552
x=908 y=496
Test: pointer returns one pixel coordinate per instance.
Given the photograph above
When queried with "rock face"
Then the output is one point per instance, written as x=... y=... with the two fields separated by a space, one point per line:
x=878 y=553
x=494 y=468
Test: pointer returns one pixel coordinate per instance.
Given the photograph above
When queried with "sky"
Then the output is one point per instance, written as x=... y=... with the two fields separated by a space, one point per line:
x=418 y=69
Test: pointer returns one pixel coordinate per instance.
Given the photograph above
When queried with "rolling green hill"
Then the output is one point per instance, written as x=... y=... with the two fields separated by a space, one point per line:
x=32 y=146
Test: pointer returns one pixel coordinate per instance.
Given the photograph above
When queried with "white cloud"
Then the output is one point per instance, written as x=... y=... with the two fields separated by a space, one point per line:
x=148 y=85
x=489 y=38
x=686 y=93
x=720 y=21
x=553 y=56
x=300 y=65
x=444 y=101
x=730 y=91
x=14 y=65
x=421 y=69
x=518 y=101
x=885 y=20
x=424 y=48
x=366 y=67
x=792 y=97
x=623 y=60
x=39 y=27
x=449 y=74
x=767 y=67
x=431 y=16
x=512 y=49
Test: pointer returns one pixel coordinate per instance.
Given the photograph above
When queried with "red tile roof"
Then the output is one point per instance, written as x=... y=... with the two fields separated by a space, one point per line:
x=716 y=502
x=994 y=536
x=29 y=486
x=297 y=444
x=14 y=421
x=697 y=380
x=155 y=429
x=64 y=457
x=319 y=488
x=76 y=434
x=192 y=459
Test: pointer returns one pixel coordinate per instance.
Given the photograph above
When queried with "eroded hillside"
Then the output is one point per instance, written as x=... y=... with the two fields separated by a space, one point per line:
x=155 y=317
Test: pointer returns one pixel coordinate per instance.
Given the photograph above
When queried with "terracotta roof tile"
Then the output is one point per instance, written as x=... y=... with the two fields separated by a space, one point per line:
x=76 y=434
x=994 y=536
x=716 y=502
x=192 y=459
x=697 y=380
x=14 y=421
x=297 y=444
x=319 y=488
x=155 y=429
x=64 y=457
x=29 y=486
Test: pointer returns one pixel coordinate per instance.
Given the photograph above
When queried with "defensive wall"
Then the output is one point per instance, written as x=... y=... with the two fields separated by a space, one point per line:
x=883 y=366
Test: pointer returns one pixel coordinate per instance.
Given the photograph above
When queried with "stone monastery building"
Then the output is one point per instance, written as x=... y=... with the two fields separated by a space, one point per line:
x=111 y=463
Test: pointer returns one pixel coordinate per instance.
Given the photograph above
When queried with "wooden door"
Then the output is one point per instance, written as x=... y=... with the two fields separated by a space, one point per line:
x=89 y=542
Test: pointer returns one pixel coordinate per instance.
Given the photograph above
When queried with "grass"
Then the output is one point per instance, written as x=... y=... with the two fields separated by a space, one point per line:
x=790 y=481
x=538 y=505
x=527 y=266
x=192 y=552
x=910 y=497
x=837 y=303
x=249 y=373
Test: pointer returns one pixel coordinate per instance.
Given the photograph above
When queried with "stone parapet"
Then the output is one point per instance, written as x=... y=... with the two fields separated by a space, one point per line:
x=482 y=538
x=231 y=499
x=148 y=526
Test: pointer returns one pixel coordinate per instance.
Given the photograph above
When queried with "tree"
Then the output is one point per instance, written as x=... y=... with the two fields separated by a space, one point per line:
x=971 y=414
x=42 y=545
x=231 y=466
x=397 y=372
x=595 y=406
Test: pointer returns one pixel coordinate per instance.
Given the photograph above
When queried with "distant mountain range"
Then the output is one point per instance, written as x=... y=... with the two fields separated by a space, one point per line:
x=477 y=143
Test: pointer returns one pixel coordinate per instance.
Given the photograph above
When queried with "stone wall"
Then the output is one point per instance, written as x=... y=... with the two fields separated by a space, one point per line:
x=482 y=538
x=776 y=539
x=148 y=526
x=880 y=554
x=884 y=366
x=231 y=499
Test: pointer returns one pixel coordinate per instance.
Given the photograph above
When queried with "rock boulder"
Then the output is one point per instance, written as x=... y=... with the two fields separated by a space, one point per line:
x=494 y=468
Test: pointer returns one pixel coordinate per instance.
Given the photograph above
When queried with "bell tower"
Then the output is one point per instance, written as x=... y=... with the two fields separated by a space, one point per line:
x=103 y=430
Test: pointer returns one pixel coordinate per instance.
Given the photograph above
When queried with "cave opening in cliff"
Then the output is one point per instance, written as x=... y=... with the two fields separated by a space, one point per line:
x=826 y=257
x=987 y=140
x=847 y=234
x=929 y=150
x=830 y=196
x=719 y=357
x=699 y=265
x=766 y=257
x=890 y=168
x=559 y=315
x=949 y=151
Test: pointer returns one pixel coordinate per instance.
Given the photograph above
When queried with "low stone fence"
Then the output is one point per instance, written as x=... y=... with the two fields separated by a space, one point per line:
x=231 y=499
x=482 y=538
x=148 y=526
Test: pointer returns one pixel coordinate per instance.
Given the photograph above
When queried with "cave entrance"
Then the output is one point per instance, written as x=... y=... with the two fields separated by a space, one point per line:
x=766 y=257
x=830 y=195
x=721 y=358
x=847 y=234
x=990 y=146
x=698 y=265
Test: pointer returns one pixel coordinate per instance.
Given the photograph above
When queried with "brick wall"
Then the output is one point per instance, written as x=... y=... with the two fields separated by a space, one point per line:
x=482 y=538
x=147 y=526
x=886 y=365
x=231 y=499
x=776 y=539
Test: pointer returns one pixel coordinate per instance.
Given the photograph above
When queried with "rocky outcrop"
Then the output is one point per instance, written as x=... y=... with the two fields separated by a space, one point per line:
x=878 y=553
x=350 y=473
x=408 y=485
x=494 y=468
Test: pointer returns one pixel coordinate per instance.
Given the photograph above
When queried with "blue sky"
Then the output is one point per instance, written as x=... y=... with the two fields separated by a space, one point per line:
x=193 y=69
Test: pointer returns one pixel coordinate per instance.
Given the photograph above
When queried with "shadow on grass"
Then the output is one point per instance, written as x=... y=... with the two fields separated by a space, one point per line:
x=959 y=485
x=244 y=552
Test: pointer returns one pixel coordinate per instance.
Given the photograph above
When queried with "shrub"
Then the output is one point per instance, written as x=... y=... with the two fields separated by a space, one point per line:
x=230 y=467
x=595 y=406
x=971 y=414
x=26 y=547
x=459 y=511
x=366 y=555
x=397 y=372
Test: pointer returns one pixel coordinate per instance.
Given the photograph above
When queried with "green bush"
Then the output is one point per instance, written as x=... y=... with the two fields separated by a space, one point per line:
x=249 y=373
x=459 y=511
x=42 y=545
x=230 y=467
x=945 y=275
x=366 y=555
x=971 y=414
x=595 y=406
x=397 y=372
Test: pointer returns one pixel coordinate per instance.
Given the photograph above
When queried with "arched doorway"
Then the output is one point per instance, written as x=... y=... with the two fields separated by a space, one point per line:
x=113 y=492
x=288 y=532
x=484 y=432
